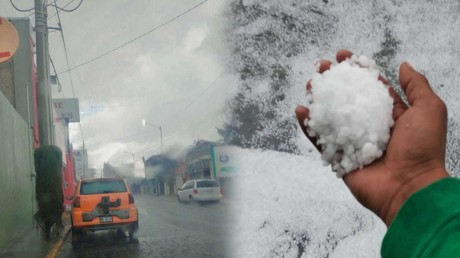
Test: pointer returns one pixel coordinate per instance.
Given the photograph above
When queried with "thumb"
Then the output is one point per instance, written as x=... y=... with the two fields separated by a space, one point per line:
x=415 y=85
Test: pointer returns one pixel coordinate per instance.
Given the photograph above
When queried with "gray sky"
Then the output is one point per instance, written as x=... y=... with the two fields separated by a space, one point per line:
x=165 y=77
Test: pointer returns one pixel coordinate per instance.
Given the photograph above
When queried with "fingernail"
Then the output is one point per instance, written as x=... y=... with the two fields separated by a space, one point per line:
x=410 y=65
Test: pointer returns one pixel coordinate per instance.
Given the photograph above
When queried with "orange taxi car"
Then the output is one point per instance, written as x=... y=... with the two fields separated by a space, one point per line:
x=103 y=203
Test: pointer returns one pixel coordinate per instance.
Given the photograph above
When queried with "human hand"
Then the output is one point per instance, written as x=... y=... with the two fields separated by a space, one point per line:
x=415 y=155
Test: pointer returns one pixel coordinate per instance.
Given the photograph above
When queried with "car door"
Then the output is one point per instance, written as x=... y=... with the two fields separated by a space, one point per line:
x=183 y=192
x=180 y=192
x=189 y=190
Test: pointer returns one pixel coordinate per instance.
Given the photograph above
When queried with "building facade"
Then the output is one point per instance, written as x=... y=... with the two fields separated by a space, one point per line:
x=18 y=82
x=160 y=175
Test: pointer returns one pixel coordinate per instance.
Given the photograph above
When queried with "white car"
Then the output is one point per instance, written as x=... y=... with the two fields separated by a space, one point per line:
x=199 y=190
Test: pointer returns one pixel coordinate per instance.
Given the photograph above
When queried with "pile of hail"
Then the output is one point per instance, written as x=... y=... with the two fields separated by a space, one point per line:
x=350 y=114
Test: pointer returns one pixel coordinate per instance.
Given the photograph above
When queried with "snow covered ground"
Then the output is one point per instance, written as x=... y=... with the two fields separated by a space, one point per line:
x=292 y=206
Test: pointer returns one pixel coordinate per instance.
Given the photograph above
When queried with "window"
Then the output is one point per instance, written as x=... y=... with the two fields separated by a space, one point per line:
x=189 y=185
x=207 y=183
x=100 y=187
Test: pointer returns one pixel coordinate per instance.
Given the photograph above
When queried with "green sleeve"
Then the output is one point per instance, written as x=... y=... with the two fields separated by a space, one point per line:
x=428 y=223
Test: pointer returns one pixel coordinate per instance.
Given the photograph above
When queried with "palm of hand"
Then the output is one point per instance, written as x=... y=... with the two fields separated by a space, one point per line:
x=412 y=151
x=415 y=153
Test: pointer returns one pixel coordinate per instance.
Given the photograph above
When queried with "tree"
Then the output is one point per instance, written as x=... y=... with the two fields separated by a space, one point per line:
x=48 y=187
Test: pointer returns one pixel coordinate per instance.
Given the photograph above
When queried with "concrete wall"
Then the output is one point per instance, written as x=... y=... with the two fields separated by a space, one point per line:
x=17 y=198
x=7 y=80
x=22 y=69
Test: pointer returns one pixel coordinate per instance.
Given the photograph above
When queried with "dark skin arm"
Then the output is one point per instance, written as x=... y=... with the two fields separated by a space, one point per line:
x=415 y=155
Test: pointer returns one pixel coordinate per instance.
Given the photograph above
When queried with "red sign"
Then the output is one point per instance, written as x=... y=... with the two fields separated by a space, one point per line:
x=9 y=40
x=5 y=54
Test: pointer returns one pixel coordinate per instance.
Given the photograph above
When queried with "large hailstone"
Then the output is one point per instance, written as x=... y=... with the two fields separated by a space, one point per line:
x=350 y=114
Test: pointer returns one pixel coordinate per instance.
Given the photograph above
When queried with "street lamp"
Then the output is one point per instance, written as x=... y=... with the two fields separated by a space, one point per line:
x=144 y=123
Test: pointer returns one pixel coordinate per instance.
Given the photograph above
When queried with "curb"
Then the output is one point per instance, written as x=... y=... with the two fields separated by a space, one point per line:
x=55 y=249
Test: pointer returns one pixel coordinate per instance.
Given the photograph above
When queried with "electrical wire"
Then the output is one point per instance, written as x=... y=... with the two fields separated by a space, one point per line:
x=196 y=98
x=168 y=138
x=57 y=78
x=126 y=43
x=20 y=10
x=64 y=10
x=65 y=50
x=49 y=17
x=62 y=7
x=167 y=123
x=67 y=60
x=161 y=25
x=58 y=9
x=134 y=39
x=196 y=124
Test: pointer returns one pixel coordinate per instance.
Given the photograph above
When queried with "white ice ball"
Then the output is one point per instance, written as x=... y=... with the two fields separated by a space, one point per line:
x=350 y=114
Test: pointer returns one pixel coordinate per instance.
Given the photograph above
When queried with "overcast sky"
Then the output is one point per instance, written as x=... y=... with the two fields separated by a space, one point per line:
x=173 y=77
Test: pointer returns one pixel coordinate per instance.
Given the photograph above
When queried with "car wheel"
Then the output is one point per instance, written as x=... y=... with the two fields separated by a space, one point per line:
x=76 y=236
x=121 y=233
x=178 y=199
x=133 y=229
x=190 y=198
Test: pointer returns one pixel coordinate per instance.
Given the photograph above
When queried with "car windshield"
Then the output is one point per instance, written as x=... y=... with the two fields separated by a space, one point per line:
x=100 y=187
x=208 y=183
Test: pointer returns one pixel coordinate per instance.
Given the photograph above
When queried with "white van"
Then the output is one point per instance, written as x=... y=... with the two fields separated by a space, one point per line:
x=199 y=190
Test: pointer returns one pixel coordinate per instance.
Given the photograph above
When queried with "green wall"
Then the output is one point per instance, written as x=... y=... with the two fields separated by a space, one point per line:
x=17 y=181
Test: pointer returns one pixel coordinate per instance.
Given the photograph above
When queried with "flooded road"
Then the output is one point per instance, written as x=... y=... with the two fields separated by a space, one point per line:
x=167 y=228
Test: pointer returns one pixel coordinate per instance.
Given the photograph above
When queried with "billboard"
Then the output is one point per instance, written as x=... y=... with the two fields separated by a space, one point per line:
x=224 y=162
x=66 y=109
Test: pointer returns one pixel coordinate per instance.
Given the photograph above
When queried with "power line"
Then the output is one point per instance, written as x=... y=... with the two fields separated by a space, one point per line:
x=64 y=10
x=55 y=12
x=66 y=51
x=63 y=7
x=136 y=38
x=21 y=10
x=168 y=122
x=188 y=105
x=168 y=138
x=67 y=59
x=57 y=78
x=65 y=47
x=165 y=23
x=197 y=97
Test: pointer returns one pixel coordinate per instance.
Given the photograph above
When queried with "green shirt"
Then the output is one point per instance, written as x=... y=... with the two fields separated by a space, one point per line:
x=428 y=223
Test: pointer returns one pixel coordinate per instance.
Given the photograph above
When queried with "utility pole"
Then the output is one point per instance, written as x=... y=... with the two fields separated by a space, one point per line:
x=144 y=123
x=44 y=86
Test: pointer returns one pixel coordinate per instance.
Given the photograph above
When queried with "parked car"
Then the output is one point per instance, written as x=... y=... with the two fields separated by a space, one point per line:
x=199 y=190
x=102 y=204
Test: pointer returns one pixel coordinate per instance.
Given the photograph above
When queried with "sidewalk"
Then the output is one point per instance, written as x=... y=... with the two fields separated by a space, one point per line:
x=32 y=243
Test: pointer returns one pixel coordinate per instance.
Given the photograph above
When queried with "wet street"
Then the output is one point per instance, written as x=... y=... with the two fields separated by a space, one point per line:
x=167 y=228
